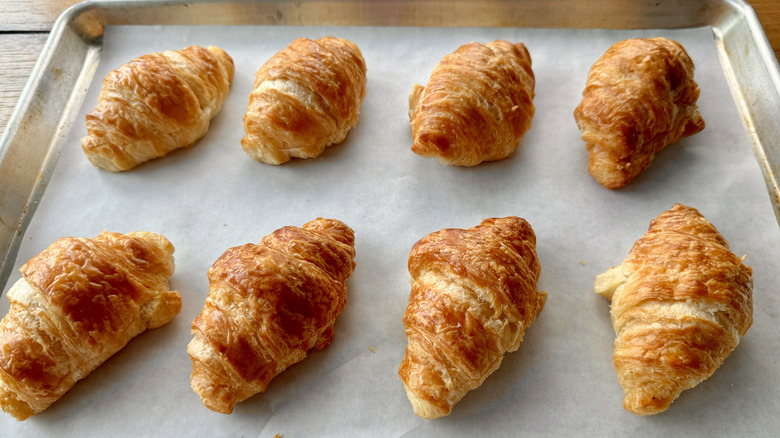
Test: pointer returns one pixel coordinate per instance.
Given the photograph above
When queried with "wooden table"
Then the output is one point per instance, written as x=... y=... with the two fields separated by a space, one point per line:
x=25 y=25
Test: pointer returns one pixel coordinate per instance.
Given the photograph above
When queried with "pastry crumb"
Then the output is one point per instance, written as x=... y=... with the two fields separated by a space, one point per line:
x=278 y=435
x=582 y=263
x=373 y=350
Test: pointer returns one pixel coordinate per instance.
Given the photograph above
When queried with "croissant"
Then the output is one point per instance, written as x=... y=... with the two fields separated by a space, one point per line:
x=155 y=104
x=476 y=106
x=267 y=305
x=473 y=295
x=640 y=97
x=305 y=98
x=79 y=302
x=681 y=300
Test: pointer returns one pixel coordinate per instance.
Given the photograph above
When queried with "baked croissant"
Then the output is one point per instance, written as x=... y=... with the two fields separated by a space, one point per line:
x=305 y=98
x=640 y=97
x=155 y=104
x=473 y=295
x=267 y=305
x=79 y=302
x=681 y=300
x=476 y=106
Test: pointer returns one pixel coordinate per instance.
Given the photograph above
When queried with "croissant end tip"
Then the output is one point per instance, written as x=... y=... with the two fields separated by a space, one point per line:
x=641 y=402
x=424 y=409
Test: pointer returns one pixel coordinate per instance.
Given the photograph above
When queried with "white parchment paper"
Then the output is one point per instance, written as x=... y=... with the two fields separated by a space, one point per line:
x=560 y=382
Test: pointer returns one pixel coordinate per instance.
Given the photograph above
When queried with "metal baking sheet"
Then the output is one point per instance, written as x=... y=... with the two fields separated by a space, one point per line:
x=561 y=381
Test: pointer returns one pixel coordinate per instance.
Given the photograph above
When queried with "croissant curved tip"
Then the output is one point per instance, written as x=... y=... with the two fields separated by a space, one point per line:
x=15 y=407
x=339 y=230
x=155 y=239
x=225 y=59
x=218 y=406
x=423 y=408
x=522 y=50
x=218 y=398
x=91 y=143
x=694 y=126
x=437 y=145
x=643 y=403
x=611 y=174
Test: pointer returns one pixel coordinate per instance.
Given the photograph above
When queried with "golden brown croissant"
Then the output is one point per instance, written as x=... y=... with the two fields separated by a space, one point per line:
x=473 y=295
x=476 y=106
x=640 y=97
x=155 y=104
x=79 y=302
x=267 y=305
x=306 y=98
x=681 y=300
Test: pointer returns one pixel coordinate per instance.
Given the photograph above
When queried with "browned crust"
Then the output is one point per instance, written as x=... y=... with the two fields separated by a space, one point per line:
x=681 y=305
x=268 y=304
x=79 y=302
x=476 y=106
x=155 y=104
x=473 y=294
x=305 y=98
x=639 y=97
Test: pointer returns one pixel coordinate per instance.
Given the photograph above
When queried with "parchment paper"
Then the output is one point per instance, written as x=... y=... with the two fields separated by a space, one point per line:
x=561 y=382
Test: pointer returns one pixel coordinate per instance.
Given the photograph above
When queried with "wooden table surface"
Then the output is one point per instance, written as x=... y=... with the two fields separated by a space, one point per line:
x=25 y=25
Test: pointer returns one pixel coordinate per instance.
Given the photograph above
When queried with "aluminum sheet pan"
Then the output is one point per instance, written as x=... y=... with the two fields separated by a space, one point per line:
x=561 y=381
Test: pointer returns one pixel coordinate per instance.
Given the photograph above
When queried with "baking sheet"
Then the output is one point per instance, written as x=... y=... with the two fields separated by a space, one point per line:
x=561 y=380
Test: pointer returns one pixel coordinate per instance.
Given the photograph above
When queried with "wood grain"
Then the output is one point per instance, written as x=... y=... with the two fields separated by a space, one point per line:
x=18 y=53
x=24 y=25
x=768 y=12
x=31 y=15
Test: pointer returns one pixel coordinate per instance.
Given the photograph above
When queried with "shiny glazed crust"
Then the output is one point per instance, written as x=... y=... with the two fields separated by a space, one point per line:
x=155 y=104
x=476 y=106
x=639 y=97
x=268 y=304
x=79 y=302
x=305 y=98
x=473 y=295
x=681 y=300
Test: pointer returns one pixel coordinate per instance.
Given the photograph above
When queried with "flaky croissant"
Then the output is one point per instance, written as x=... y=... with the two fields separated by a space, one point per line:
x=473 y=295
x=640 y=97
x=79 y=302
x=268 y=304
x=681 y=300
x=476 y=106
x=305 y=98
x=155 y=104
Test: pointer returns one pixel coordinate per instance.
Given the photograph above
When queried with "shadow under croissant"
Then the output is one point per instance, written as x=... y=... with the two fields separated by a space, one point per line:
x=508 y=164
x=668 y=165
x=107 y=382
x=506 y=386
x=713 y=399
x=334 y=153
x=295 y=381
x=177 y=157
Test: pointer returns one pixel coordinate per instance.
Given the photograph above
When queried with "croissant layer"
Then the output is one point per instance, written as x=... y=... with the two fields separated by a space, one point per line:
x=473 y=295
x=305 y=98
x=155 y=104
x=268 y=305
x=681 y=301
x=639 y=97
x=79 y=302
x=476 y=106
